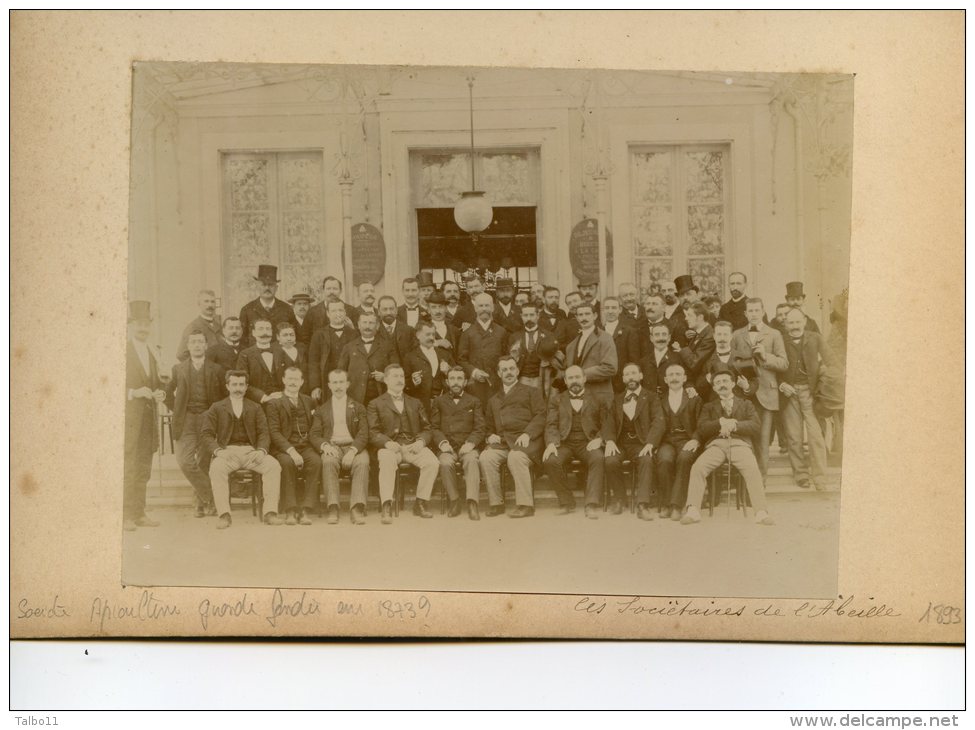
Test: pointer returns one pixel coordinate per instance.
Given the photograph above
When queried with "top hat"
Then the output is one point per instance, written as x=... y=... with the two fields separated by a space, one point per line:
x=437 y=298
x=794 y=289
x=424 y=278
x=139 y=309
x=300 y=297
x=721 y=369
x=588 y=280
x=684 y=283
x=504 y=283
x=266 y=272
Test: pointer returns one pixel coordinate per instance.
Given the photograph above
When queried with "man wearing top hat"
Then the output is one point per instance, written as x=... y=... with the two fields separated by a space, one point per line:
x=143 y=394
x=506 y=313
x=425 y=287
x=266 y=306
x=331 y=292
x=795 y=298
x=208 y=323
x=300 y=304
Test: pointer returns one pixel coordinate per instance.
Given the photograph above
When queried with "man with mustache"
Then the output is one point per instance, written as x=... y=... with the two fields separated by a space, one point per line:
x=453 y=308
x=426 y=365
x=632 y=313
x=402 y=336
x=480 y=348
x=593 y=350
x=447 y=336
x=567 y=329
x=226 y=351
x=700 y=345
x=208 y=322
x=506 y=313
x=457 y=420
x=733 y=310
x=367 y=302
x=411 y=311
x=262 y=363
x=654 y=364
x=364 y=360
x=304 y=327
x=332 y=292
x=266 y=306
x=326 y=347
x=550 y=314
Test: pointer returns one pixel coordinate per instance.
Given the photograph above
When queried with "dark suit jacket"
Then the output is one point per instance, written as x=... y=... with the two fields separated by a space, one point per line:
x=682 y=425
x=403 y=338
x=224 y=354
x=703 y=387
x=279 y=422
x=356 y=421
x=597 y=419
x=286 y=362
x=653 y=376
x=631 y=321
x=511 y=321
x=384 y=420
x=521 y=410
x=548 y=321
x=464 y=315
x=260 y=380
x=360 y=365
x=695 y=354
x=254 y=310
x=708 y=425
x=627 y=345
x=318 y=316
x=218 y=426
x=431 y=384
x=401 y=314
x=138 y=410
x=565 y=331
x=357 y=311
x=210 y=330
x=678 y=325
x=814 y=350
x=598 y=361
x=480 y=348
x=323 y=355
x=178 y=390
x=518 y=347
x=734 y=312
x=453 y=337
x=650 y=421
x=459 y=422
x=304 y=331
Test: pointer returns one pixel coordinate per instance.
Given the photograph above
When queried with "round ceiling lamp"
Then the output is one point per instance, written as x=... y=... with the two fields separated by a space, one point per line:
x=473 y=212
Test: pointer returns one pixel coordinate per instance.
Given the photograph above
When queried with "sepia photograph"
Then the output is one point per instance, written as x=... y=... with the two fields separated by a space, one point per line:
x=469 y=329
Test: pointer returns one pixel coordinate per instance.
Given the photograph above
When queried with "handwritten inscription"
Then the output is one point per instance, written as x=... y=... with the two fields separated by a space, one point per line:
x=241 y=607
x=349 y=609
x=405 y=609
x=942 y=613
x=637 y=606
x=280 y=608
x=845 y=607
x=53 y=610
x=147 y=608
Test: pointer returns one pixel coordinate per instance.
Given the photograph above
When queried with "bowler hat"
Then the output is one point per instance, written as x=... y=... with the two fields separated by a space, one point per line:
x=266 y=272
x=587 y=280
x=504 y=284
x=684 y=283
x=794 y=289
x=547 y=348
x=424 y=278
x=721 y=369
x=139 y=309
x=300 y=297
x=437 y=298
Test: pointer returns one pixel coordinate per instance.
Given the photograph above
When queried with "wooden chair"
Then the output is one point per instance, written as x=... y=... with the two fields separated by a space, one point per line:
x=247 y=484
x=726 y=480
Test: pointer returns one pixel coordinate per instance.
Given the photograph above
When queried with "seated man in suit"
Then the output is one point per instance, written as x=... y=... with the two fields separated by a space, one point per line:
x=426 y=365
x=365 y=359
x=726 y=428
x=676 y=452
x=515 y=420
x=289 y=420
x=340 y=432
x=262 y=363
x=593 y=350
x=400 y=431
x=458 y=430
x=235 y=436
x=227 y=350
x=577 y=426
x=638 y=427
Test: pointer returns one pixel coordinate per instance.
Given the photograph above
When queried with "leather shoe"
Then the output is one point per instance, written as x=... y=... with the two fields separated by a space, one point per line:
x=224 y=522
x=591 y=512
x=802 y=483
x=763 y=518
x=472 y=511
x=644 y=512
x=291 y=520
x=128 y=525
x=420 y=509
x=665 y=513
x=675 y=513
x=304 y=518
x=211 y=509
x=146 y=522
x=617 y=507
x=819 y=486
x=455 y=508
x=333 y=514
x=522 y=511
x=271 y=518
x=387 y=518
x=495 y=510
x=358 y=517
x=567 y=509
x=200 y=511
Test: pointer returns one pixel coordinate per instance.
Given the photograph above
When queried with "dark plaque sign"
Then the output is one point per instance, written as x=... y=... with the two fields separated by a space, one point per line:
x=584 y=249
x=368 y=254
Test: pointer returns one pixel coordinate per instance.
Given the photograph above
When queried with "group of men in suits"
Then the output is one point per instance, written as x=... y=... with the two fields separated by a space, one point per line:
x=470 y=387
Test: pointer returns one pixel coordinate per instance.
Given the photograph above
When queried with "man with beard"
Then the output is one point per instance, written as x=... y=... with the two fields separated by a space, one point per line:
x=262 y=363
x=447 y=335
x=726 y=427
x=733 y=310
x=673 y=311
x=654 y=364
x=677 y=451
x=367 y=302
x=593 y=350
x=550 y=313
x=713 y=305
x=453 y=309
x=208 y=323
x=525 y=347
x=624 y=339
x=577 y=426
x=332 y=292
x=289 y=421
x=538 y=295
x=426 y=366
x=638 y=427
x=632 y=313
x=795 y=298
x=365 y=359
x=700 y=345
x=567 y=329
x=266 y=306
x=588 y=288
x=304 y=327
x=514 y=422
x=391 y=328
x=505 y=312
x=326 y=347
x=481 y=346
x=225 y=352
x=457 y=420
x=411 y=312
x=521 y=299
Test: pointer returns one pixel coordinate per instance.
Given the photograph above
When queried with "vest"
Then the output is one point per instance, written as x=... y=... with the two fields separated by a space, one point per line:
x=238 y=437
x=197 y=401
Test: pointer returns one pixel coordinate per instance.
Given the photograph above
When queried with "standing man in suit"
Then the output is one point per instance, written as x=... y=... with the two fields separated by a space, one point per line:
x=235 y=436
x=761 y=346
x=197 y=384
x=726 y=428
x=638 y=427
x=653 y=306
x=458 y=430
x=588 y=288
x=304 y=326
x=673 y=311
x=453 y=309
x=401 y=335
x=225 y=352
x=733 y=310
x=567 y=329
x=340 y=432
x=805 y=350
x=722 y=356
x=594 y=351
x=632 y=314
x=411 y=312
x=624 y=339
x=577 y=426
x=677 y=450
x=551 y=313
x=143 y=394
x=266 y=306
x=525 y=347
x=208 y=323
x=515 y=421
x=262 y=363
x=654 y=363
x=425 y=287
x=795 y=298
x=327 y=344
x=426 y=365
x=366 y=292
x=481 y=347
x=506 y=313
x=332 y=292
x=364 y=360
x=400 y=431
x=292 y=353
x=447 y=335
x=537 y=296
x=289 y=420
x=700 y=343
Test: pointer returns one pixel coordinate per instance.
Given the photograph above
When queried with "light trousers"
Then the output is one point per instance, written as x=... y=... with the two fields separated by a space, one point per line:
x=799 y=411
x=519 y=464
x=332 y=468
x=423 y=459
x=741 y=456
x=233 y=458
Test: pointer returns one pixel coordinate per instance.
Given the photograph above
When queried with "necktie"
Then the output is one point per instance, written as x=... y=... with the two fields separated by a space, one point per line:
x=727 y=405
x=629 y=396
x=531 y=341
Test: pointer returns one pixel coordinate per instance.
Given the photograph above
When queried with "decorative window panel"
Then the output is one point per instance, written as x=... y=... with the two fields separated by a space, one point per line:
x=273 y=214
x=679 y=207
x=510 y=178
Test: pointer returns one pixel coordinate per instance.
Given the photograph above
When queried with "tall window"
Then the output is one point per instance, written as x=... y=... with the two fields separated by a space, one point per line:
x=273 y=213
x=680 y=210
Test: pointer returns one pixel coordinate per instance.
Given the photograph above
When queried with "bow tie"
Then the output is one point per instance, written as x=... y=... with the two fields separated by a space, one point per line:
x=577 y=397
x=630 y=396
x=753 y=328
x=396 y=398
